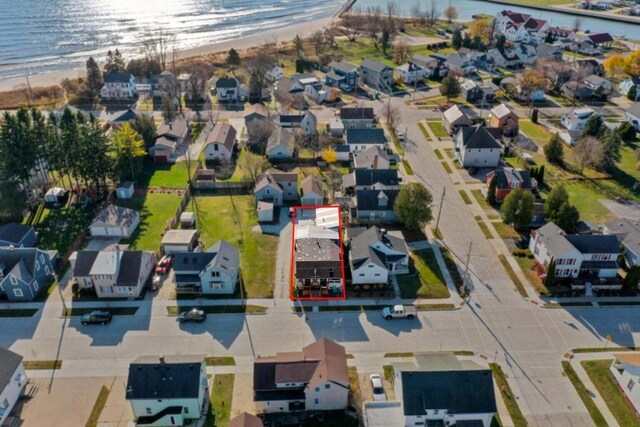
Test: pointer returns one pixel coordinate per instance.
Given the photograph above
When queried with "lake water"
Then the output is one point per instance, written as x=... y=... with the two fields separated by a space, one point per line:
x=468 y=8
x=46 y=35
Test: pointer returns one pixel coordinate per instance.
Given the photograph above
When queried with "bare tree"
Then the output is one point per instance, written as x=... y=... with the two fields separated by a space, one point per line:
x=391 y=115
x=392 y=12
x=577 y=24
x=258 y=134
x=588 y=152
x=319 y=41
x=330 y=36
x=257 y=67
x=285 y=101
x=352 y=26
x=432 y=13
x=252 y=166
x=374 y=25
x=196 y=85
x=401 y=52
x=157 y=44
x=556 y=72
x=451 y=13
x=418 y=14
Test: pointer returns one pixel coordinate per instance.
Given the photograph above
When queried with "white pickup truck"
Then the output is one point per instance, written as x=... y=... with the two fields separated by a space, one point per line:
x=399 y=312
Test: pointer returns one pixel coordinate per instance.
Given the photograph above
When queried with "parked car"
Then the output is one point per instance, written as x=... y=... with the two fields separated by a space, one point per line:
x=193 y=315
x=377 y=388
x=164 y=265
x=156 y=282
x=399 y=312
x=96 y=317
x=401 y=136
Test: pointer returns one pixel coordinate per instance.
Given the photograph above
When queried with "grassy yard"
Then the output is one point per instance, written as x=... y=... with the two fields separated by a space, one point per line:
x=166 y=175
x=42 y=364
x=428 y=283
x=446 y=167
x=155 y=210
x=507 y=395
x=388 y=372
x=584 y=394
x=465 y=197
x=407 y=167
x=101 y=401
x=174 y=310
x=477 y=194
x=512 y=275
x=437 y=129
x=484 y=228
x=602 y=378
x=57 y=229
x=220 y=361
x=221 y=399
x=505 y=230
x=527 y=267
x=538 y=133
x=424 y=132
x=451 y=266
x=233 y=219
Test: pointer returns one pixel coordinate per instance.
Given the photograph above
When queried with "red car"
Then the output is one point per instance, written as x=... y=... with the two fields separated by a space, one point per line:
x=164 y=265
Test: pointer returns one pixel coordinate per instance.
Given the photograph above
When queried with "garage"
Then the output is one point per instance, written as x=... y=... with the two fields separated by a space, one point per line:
x=114 y=221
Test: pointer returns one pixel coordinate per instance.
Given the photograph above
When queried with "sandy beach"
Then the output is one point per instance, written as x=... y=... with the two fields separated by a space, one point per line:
x=281 y=34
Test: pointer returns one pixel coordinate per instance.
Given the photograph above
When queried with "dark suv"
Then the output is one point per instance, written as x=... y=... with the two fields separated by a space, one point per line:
x=193 y=315
x=96 y=317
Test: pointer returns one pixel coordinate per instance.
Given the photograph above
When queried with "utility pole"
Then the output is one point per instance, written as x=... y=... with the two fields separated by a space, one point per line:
x=466 y=266
x=444 y=190
x=30 y=97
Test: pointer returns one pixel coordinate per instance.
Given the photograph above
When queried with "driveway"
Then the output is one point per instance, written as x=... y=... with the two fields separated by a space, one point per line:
x=117 y=411
x=622 y=210
x=283 y=261
x=242 y=395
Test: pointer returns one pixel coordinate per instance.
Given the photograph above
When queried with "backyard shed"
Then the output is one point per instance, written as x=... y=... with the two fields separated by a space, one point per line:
x=265 y=211
x=187 y=219
x=175 y=241
x=114 y=221
x=125 y=190
x=54 y=195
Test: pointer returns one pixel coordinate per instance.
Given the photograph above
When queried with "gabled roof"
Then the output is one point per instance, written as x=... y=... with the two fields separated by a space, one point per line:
x=362 y=250
x=600 y=38
x=506 y=175
x=130 y=264
x=311 y=184
x=274 y=178
x=478 y=137
x=178 y=377
x=634 y=110
x=535 y=24
x=176 y=129
x=357 y=113
x=594 y=243
x=226 y=82
x=370 y=156
x=20 y=262
x=316 y=249
x=627 y=231
x=245 y=420
x=365 y=136
x=116 y=216
x=368 y=200
x=518 y=18
x=376 y=66
x=342 y=66
x=221 y=256
x=368 y=177
x=501 y=111
x=258 y=109
x=9 y=363
x=117 y=77
x=14 y=233
x=223 y=134
x=454 y=113
x=280 y=137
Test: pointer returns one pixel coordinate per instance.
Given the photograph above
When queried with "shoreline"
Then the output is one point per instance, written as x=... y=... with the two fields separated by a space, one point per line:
x=305 y=29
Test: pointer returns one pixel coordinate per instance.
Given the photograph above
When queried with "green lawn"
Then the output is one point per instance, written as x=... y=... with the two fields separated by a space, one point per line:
x=218 y=219
x=174 y=310
x=57 y=229
x=484 y=228
x=155 y=210
x=584 y=195
x=437 y=129
x=584 y=394
x=429 y=282
x=512 y=275
x=166 y=175
x=101 y=401
x=477 y=194
x=221 y=399
x=424 y=132
x=220 y=361
x=602 y=378
x=407 y=167
x=446 y=167
x=538 y=133
x=465 y=197
x=505 y=230
x=42 y=364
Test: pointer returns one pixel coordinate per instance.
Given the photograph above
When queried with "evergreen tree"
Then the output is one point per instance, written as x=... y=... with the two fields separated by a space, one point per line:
x=118 y=62
x=491 y=192
x=627 y=132
x=554 y=150
x=467 y=41
x=534 y=115
x=456 y=39
x=559 y=210
x=145 y=126
x=233 y=60
x=550 y=278
x=633 y=93
x=540 y=177
x=94 y=79
x=501 y=41
x=612 y=143
x=630 y=282
x=298 y=45
x=477 y=43
x=593 y=127
x=385 y=41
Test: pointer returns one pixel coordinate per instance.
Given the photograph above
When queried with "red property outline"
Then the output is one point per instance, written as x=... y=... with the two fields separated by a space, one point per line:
x=292 y=267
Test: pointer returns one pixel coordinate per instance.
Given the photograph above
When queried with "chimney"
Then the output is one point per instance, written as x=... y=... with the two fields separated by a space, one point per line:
x=162 y=362
x=170 y=125
x=375 y=161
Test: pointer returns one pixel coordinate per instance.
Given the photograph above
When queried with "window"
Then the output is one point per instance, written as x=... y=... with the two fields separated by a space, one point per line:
x=370 y=266
x=47 y=271
x=361 y=274
x=186 y=410
x=14 y=281
x=317 y=389
x=316 y=401
x=630 y=385
x=37 y=265
x=217 y=285
x=148 y=411
x=327 y=386
x=18 y=293
x=36 y=286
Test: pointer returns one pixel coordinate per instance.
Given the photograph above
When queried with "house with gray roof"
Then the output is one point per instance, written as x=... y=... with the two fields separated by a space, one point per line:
x=343 y=75
x=168 y=137
x=477 y=146
x=25 y=272
x=13 y=379
x=276 y=187
x=17 y=235
x=628 y=233
x=118 y=86
x=633 y=116
x=220 y=143
x=375 y=206
x=214 y=271
x=374 y=179
x=454 y=118
x=281 y=144
x=376 y=253
x=114 y=221
x=437 y=389
x=311 y=191
x=112 y=273
x=586 y=256
x=358 y=117
x=167 y=390
x=371 y=158
x=377 y=75
x=362 y=139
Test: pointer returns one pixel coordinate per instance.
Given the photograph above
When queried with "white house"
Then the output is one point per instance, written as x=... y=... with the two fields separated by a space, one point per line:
x=276 y=187
x=436 y=390
x=312 y=193
x=454 y=118
x=476 y=146
x=520 y=27
x=118 y=86
x=628 y=233
x=375 y=253
x=113 y=273
x=626 y=370
x=167 y=390
x=576 y=119
x=575 y=255
x=227 y=89
x=363 y=139
x=220 y=143
x=281 y=144
x=114 y=221
x=13 y=379
x=625 y=86
x=307 y=122
x=274 y=73
x=633 y=115
x=214 y=271
x=314 y=379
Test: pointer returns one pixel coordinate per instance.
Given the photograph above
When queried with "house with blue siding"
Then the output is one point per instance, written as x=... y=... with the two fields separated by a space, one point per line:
x=375 y=206
x=343 y=75
x=17 y=235
x=24 y=272
x=215 y=271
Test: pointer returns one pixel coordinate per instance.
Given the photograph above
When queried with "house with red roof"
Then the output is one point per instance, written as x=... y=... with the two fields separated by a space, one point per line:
x=520 y=27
